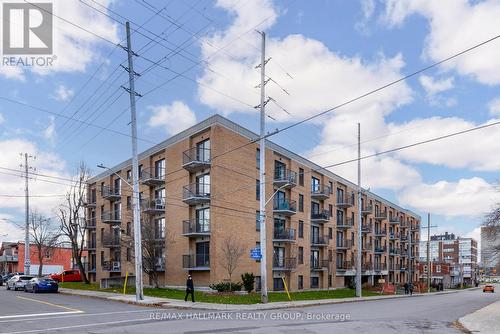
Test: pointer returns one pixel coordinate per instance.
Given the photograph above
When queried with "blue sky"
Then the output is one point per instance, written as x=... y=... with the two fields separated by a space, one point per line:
x=323 y=53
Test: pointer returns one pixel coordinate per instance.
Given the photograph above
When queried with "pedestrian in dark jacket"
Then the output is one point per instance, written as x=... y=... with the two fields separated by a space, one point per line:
x=189 y=289
x=410 y=287
x=406 y=288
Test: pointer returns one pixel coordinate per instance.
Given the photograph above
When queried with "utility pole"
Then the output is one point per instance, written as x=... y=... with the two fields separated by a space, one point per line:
x=27 y=248
x=358 y=268
x=262 y=173
x=410 y=262
x=429 y=264
x=139 y=295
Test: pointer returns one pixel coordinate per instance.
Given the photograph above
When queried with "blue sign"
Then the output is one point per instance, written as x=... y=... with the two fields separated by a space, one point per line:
x=255 y=253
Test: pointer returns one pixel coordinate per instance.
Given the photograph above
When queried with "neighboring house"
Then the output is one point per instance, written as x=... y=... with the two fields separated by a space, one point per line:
x=12 y=259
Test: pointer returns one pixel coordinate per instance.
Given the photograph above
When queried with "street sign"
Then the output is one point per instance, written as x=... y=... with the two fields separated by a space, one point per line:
x=255 y=253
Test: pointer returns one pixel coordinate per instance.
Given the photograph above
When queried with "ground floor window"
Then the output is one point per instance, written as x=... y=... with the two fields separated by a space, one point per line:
x=314 y=282
x=329 y=281
x=257 y=283
x=278 y=284
x=300 y=284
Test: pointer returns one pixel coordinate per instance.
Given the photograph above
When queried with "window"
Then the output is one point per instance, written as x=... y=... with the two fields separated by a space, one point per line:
x=102 y=257
x=279 y=170
x=330 y=281
x=203 y=150
x=314 y=208
x=314 y=282
x=340 y=217
x=160 y=228
x=140 y=171
x=330 y=209
x=129 y=254
x=203 y=220
x=203 y=184
x=330 y=233
x=257 y=190
x=257 y=220
x=128 y=231
x=160 y=169
x=257 y=245
x=257 y=283
x=301 y=229
x=300 y=282
x=301 y=177
x=117 y=210
x=102 y=188
x=129 y=202
x=129 y=175
x=257 y=158
x=315 y=187
x=301 y=255
x=117 y=185
x=330 y=184
x=278 y=284
x=202 y=254
x=340 y=195
x=301 y=203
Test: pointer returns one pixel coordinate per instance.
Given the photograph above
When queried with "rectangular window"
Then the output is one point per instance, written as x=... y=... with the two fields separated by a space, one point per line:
x=160 y=228
x=330 y=209
x=314 y=208
x=301 y=177
x=257 y=158
x=102 y=258
x=257 y=283
x=315 y=187
x=117 y=185
x=203 y=220
x=314 y=282
x=257 y=190
x=129 y=202
x=301 y=255
x=160 y=169
x=129 y=254
x=129 y=228
x=330 y=281
x=301 y=229
x=278 y=284
x=203 y=150
x=301 y=203
x=300 y=282
x=129 y=175
x=257 y=220
x=330 y=233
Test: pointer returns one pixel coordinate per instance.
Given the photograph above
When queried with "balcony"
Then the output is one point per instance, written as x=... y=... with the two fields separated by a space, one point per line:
x=404 y=253
x=319 y=241
x=393 y=236
x=111 y=193
x=90 y=203
x=380 y=250
x=196 y=159
x=380 y=215
x=366 y=228
x=112 y=266
x=152 y=177
x=111 y=241
x=367 y=247
x=284 y=235
x=317 y=264
x=199 y=262
x=394 y=220
x=393 y=251
x=90 y=223
x=404 y=237
x=343 y=244
x=320 y=217
x=366 y=209
x=345 y=201
x=285 y=178
x=160 y=264
x=394 y=267
x=366 y=266
x=111 y=217
x=196 y=193
x=321 y=192
x=380 y=232
x=90 y=245
x=380 y=266
x=196 y=228
x=153 y=206
x=285 y=207
x=284 y=264
x=415 y=227
x=9 y=258
x=345 y=266
x=345 y=223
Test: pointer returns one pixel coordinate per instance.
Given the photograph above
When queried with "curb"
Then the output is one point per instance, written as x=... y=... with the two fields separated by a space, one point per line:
x=256 y=307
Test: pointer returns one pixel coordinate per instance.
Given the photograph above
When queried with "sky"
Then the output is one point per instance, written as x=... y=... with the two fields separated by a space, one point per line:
x=197 y=58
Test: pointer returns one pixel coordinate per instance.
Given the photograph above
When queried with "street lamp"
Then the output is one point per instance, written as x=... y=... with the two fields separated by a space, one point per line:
x=139 y=293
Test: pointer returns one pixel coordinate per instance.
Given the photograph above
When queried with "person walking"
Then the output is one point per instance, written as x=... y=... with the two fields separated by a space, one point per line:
x=189 y=288
x=406 y=288
x=410 y=287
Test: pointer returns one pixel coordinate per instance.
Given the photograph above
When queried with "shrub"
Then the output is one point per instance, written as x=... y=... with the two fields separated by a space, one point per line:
x=225 y=286
x=248 y=280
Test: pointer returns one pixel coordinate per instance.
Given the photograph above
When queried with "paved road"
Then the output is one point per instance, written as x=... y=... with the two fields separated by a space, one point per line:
x=56 y=313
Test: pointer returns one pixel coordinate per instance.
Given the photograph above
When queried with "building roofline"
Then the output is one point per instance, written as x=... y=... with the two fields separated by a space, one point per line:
x=223 y=121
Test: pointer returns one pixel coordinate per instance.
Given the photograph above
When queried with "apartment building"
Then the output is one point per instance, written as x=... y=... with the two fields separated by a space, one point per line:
x=200 y=193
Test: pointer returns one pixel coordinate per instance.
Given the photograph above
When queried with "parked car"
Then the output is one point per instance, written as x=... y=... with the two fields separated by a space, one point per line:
x=40 y=284
x=17 y=282
x=489 y=287
x=67 y=276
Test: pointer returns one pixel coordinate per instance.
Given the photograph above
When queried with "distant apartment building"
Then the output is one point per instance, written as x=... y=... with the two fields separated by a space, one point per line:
x=440 y=274
x=55 y=261
x=200 y=188
x=459 y=253
x=490 y=245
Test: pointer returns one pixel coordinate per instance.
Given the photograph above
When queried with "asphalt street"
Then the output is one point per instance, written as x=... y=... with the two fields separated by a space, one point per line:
x=22 y=312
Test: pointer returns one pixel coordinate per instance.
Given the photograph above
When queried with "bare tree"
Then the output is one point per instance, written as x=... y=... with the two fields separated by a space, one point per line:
x=232 y=251
x=72 y=217
x=492 y=227
x=44 y=235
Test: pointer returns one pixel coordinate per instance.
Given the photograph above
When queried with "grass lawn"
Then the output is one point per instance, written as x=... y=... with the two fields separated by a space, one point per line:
x=252 y=298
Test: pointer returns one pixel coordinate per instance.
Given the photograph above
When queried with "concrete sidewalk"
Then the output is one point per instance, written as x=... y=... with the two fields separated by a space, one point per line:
x=485 y=320
x=181 y=304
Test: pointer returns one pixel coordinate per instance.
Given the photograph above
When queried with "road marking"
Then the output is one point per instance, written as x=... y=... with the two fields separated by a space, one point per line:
x=51 y=304
x=36 y=315
x=72 y=314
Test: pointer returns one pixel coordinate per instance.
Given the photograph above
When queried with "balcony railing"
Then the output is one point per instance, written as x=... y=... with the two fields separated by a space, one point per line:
x=394 y=220
x=345 y=223
x=318 y=264
x=111 y=241
x=160 y=264
x=380 y=249
x=404 y=237
x=111 y=266
x=345 y=265
x=152 y=176
x=366 y=228
x=91 y=245
x=415 y=227
x=365 y=266
x=367 y=247
x=394 y=251
x=381 y=232
x=284 y=235
x=111 y=193
x=320 y=217
x=196 y=262
x=196 y=193
x=153 y=205
x=380 y=266
x=285 y=207
x=196 y=227
x=196 y=159
x=90 y=223
x=393 y=235
x=379 y=215
x=90 y=203
x=394 y=267
x=9 y=258
x=321 y=192
x=111 y=217
x=319 y=240
x=345 y=201
x=366 y=209
x=287 y=263
x=285 y=178
x=344 y=244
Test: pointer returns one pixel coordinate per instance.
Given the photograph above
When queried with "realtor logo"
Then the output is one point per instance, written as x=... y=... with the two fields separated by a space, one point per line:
x=27 y=28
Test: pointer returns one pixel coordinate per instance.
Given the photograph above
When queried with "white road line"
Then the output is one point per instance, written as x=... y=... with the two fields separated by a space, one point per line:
x=69 y=315
x=80 y=326
x=37 y=315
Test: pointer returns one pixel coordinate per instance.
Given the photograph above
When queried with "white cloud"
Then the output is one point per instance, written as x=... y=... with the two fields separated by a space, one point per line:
x=468 y=197
x=455 y=26
x=12 y=72
x=174 y=117
x=8 y=230
x=433 y=86
x=494 y=107
x=2 y=119
x=50 y=132
x=63 y=93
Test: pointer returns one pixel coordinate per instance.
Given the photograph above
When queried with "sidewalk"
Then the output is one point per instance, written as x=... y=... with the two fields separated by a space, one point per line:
x=485 y=320
x=181 y=304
